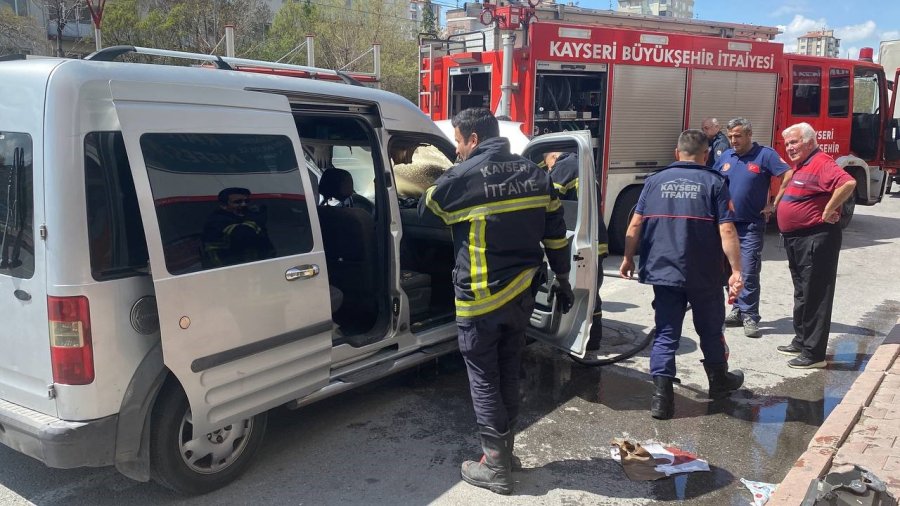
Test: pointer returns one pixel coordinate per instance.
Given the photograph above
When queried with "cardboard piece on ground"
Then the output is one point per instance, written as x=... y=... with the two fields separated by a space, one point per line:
x=652 y=460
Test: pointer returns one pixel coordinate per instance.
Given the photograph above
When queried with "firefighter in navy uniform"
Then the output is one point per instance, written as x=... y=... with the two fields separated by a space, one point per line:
x=684 y=224
x=501 y=209
x=563 y=169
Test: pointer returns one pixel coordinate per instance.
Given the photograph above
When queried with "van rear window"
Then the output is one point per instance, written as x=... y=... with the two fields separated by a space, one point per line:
x=16 y=205
x=115 y=231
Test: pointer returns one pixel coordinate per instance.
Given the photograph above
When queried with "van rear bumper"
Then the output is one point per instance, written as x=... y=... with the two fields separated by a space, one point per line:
x=58 y=443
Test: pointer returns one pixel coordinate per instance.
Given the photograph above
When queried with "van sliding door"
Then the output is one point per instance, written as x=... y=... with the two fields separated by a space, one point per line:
x=238 y=268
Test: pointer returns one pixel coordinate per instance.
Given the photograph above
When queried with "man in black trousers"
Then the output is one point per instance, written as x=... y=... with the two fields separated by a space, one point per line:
x=505 y=216
x=808 y=209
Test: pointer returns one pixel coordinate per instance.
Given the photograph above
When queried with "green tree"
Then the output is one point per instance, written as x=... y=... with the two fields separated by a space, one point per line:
x=21 y=34
x=429 y=20
x=185 y=25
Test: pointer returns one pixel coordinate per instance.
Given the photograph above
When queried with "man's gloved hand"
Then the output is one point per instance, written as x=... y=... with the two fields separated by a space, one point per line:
x=563 y=291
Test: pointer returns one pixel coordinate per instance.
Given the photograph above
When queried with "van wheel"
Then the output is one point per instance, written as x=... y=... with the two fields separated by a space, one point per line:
x=201 y=465
x=620 y=218
x=847 y=209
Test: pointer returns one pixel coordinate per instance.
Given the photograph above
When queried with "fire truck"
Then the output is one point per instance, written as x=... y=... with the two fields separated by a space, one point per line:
x=636 y=90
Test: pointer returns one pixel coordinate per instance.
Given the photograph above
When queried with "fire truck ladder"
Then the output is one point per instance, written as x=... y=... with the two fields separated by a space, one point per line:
x=426 y=80
x=429 y=48
x=221 y=62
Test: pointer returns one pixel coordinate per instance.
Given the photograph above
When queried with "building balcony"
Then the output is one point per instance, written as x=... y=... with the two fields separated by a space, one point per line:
x=74 y=30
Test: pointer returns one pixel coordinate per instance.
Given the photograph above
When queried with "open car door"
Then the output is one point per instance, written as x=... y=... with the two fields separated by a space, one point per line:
x=570 y=332
x=241 y=282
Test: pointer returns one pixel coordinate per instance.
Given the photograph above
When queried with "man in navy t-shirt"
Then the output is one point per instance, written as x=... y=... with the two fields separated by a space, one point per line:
x=749 y=168
x=683 y=224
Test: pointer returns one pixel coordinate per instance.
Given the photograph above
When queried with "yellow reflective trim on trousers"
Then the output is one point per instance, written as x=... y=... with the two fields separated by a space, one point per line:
x=602 y=248
x=555 y=243
x=478 y=271
x=487 y=209
x=470 y=308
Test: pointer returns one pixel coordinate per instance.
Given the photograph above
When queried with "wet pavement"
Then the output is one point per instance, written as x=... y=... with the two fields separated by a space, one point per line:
x=400 y=441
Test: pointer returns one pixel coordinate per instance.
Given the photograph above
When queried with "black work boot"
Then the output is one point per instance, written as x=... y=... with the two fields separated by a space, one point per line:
x=722 y=382
x=662 y=405
x=493 y=471
x=596 y=332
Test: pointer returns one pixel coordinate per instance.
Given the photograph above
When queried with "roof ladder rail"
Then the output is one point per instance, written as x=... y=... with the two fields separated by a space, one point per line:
x=222 y=62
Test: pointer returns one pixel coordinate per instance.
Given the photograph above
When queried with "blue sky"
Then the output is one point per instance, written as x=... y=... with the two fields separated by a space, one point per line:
x=857 y=23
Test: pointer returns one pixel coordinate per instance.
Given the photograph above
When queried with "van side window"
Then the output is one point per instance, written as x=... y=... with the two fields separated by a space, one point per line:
x=115 y=231
x=16 y=206
x=807 y=83
x=226 y=199
x=839 y=93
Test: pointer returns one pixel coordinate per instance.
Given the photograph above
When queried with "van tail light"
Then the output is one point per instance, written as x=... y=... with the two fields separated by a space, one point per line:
x=71 y=352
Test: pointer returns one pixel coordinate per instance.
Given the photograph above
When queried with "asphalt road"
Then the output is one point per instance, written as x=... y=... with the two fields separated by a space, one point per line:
x=400 y=441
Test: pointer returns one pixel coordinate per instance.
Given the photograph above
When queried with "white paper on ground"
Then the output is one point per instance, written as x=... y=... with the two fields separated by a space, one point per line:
x=670 y=459
x=761 y=491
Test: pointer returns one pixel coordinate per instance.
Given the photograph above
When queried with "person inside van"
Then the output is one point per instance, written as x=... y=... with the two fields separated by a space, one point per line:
x=236 y=232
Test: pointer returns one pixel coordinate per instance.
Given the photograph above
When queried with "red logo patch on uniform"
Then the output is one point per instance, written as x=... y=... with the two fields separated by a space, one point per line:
x=725 y=167
x=752 y=167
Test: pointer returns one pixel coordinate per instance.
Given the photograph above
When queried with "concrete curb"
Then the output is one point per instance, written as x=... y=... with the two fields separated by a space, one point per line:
x=817 y=460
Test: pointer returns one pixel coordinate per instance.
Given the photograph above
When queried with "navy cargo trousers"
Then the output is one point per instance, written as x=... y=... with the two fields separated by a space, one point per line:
x=670 y=304
x=491 y=346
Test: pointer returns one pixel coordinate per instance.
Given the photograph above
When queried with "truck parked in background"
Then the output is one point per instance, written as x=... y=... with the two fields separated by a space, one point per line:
x=635 y=90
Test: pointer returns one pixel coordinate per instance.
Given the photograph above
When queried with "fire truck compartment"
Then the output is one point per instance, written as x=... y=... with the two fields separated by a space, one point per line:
x=469 y=87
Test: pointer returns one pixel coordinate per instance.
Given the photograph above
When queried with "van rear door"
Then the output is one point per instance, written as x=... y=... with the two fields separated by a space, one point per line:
x=237 y=263
x=25 y=372
x=570 y=332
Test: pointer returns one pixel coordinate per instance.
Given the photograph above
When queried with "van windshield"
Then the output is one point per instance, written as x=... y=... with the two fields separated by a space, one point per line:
x=16 y=205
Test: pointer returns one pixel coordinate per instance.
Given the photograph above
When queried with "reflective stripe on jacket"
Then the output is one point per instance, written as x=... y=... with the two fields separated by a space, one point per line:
x=501 y=209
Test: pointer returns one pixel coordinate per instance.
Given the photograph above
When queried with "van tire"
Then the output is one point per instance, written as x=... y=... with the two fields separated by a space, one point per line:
x=168 y=466
x=621 y=216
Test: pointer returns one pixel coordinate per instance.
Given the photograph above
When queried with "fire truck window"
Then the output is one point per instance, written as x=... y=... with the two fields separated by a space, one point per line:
x=807 y=83
x=865 y=94
x=839 y=93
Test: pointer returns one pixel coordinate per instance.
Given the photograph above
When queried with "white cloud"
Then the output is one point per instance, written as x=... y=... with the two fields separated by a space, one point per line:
x=798 y=26
x=861 y=34
x=891 y=35
x=790 y=7
x=852 y=33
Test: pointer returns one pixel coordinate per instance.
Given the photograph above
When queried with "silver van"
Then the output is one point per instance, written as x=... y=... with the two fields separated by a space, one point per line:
x=170 y=272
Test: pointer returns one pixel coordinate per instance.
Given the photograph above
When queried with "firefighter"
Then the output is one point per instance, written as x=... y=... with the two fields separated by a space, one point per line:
x=563 y=169
x=718 y=142
x=683 y=221
x=235 y=233
x=749 y=169
x=501 y=208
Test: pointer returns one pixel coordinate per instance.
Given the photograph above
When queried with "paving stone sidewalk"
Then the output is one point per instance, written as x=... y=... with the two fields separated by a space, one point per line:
x=863 y=429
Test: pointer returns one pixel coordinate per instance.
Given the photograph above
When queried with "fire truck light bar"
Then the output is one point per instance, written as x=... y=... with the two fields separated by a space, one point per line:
x=740 y=46
x=654 y=39
x=575 y=33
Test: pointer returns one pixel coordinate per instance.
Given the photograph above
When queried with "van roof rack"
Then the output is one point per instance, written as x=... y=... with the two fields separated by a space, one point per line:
x=221 y=62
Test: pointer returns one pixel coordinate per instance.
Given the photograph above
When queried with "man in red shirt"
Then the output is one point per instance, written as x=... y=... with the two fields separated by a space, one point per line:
x=808 y=209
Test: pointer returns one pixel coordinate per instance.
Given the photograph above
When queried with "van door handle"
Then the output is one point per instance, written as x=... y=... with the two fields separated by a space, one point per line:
x=301 y=272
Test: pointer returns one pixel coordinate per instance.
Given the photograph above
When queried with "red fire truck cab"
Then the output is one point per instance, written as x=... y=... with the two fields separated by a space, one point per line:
x=636 y=90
